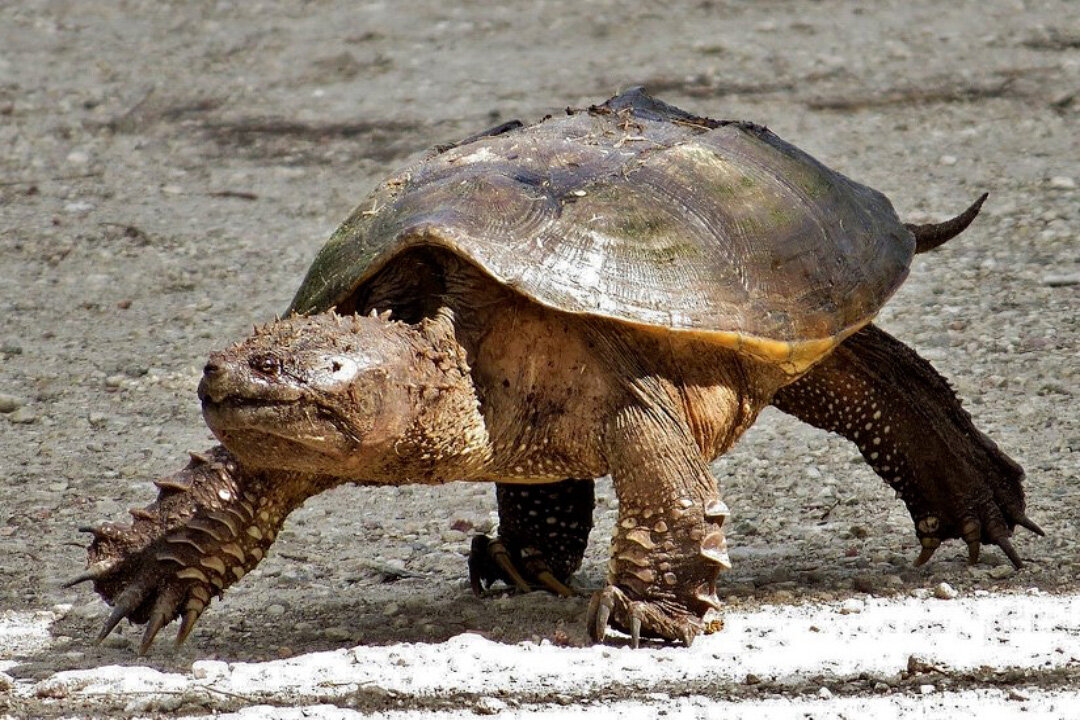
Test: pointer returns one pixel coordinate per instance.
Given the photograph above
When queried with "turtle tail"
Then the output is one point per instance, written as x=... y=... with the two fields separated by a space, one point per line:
x=932 y=235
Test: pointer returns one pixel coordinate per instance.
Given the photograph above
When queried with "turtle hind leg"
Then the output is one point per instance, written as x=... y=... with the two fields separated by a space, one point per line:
x=909 y=426
x=543 y=532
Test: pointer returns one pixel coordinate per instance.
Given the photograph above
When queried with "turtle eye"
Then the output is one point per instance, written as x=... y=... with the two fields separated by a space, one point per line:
x=266 y=364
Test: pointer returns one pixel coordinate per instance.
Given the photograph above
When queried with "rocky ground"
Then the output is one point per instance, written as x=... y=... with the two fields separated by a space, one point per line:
x=168 y=170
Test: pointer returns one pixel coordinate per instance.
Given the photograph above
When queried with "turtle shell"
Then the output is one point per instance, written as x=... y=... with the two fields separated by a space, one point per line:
x=640 y=212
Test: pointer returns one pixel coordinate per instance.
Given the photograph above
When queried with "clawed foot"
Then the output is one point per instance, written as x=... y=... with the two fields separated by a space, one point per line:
x=526 y=570
x=201 y=535
x=665 y=619
x=993 y=525
x=151 y=586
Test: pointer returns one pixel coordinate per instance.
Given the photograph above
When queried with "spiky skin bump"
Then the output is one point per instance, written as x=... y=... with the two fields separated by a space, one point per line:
x=910 y=427
x=210 y=525
x=542 y=527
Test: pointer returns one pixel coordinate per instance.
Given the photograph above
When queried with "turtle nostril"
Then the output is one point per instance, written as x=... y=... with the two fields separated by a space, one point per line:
x=212 y=367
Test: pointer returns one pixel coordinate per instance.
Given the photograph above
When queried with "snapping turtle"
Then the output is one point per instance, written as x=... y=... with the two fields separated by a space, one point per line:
x=617 y=291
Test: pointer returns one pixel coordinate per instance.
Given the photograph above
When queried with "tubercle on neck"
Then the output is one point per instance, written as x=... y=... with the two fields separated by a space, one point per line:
x=448 y=439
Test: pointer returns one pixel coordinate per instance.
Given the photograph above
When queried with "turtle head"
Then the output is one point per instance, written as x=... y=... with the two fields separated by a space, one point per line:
x=345 y=396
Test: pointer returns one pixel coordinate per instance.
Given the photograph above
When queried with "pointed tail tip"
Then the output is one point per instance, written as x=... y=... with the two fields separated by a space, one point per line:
x=932 y=235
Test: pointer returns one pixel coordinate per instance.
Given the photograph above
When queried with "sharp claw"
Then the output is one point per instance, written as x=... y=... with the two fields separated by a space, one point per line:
x=126 y=603
x=973 y=551
x=971 y=531
x=476 y=552
x=552 y=583
x=163 y=612
x=502 y=559
x=95 y=571
x=687 y=635
x=1010 y=552
x=157 y=621
x=929 y=544
x=186 y=625
x=635 y=630
x=599 y=612
x=1025 y=521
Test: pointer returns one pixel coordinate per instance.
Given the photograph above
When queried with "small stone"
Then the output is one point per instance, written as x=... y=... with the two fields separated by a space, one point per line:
x=1062 y=182
x=275 y=610
x=78 y=206
x=945 y=591
x=452 y=536
x=391 y=609
x=114 y=381
x=97 y=419
x=852 y=606
x=209 y=669
x=337 y=634
x=1018 y=695
x=9 y=403
x=751 y=679
x=825 y=693
x=78 y=157
x=1061 y=280
x=6 y=682
x=947 y=160
x=1001 y=571
x=490 y=706
x=23 y=416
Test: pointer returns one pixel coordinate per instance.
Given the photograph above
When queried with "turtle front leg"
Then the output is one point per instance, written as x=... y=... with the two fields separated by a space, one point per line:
x=909 y=426
x=669 y=544
x=543 y=532
x=211 y=524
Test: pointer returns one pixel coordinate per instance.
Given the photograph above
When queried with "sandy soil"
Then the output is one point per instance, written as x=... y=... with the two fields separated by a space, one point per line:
x=167 y=171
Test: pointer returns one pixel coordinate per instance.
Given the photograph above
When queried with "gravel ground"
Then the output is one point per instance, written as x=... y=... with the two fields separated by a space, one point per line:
x=169 y=169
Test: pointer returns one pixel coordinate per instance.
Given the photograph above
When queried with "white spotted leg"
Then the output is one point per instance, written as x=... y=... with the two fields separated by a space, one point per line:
x=543 y=532
x=910 y=427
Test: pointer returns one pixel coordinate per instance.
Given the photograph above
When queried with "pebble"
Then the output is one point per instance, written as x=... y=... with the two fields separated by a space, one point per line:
x=825 y=693
x=926 y=689
x=337 y=633
x=209 y=669
x=852 y=606
x=490 y=706
x=97 y=419
x=1062 y=182
x=1020 y=695
x=275 y=610
x=1001 y=571
x=9 y=403
x=945 y=591
x=23 y=416
x=78 y=206
x=391 y=609
x=947 y=160
x=452 y=536
x=1061 y=280
x=6 y=682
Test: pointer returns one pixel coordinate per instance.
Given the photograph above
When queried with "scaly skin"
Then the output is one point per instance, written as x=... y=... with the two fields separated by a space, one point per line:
x=909 y=426
x=210 y=525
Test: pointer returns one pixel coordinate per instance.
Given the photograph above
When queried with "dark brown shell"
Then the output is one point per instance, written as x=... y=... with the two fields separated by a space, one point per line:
x=638 y=211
